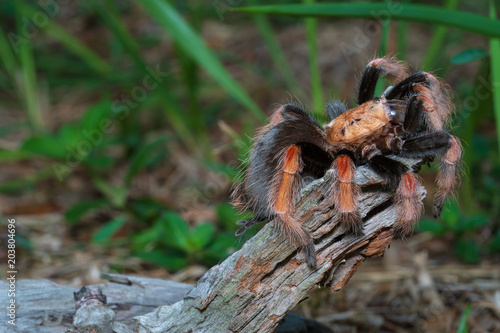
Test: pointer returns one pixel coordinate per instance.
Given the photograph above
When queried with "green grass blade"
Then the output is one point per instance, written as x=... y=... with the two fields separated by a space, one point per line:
x=6 y=55
x=312 y=46
x=71 y=43
x=437 y=40
x=194 y=46
x=408 y=12
x=386 y=25
x=463 y=327
x=110 y=18
x=278 y=56
x=402 y=35
x=495 y=72
x=28 y=86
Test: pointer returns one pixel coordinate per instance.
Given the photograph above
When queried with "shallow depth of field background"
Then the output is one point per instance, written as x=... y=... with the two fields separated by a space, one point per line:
x=123 y=129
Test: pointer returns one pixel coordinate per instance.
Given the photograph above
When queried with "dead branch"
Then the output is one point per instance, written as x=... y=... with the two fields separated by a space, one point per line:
x=253 y=289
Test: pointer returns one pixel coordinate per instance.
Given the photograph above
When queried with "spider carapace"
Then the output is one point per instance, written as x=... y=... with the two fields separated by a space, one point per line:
x=407 y=121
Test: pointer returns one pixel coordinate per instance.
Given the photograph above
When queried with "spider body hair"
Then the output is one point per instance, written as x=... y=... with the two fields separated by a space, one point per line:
x=407 y=121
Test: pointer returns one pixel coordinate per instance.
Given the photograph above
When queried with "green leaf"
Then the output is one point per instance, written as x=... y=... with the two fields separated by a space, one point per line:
x=116 y=194
x=104 y=233
x=468 y=250
x=222 y=244
x=45 y=145
x=193 y=46
x=463 y=328
x=146 y=209
x=473 y=222
x=434 y=227
x=177 y=231
x=14 y=155
x=451 y=215
x=142 y=158
x=227 y=215
x=70 y=136
x=202 y=235
x=94 y=116
x=468 y=55
x=148 y=237
x=407 y=12
x=164 y=259
x=79 y=209
x=494 y=245
x=100 y=162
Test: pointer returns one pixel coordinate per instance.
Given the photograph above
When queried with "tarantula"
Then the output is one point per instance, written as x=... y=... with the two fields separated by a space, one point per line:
x=407 y=121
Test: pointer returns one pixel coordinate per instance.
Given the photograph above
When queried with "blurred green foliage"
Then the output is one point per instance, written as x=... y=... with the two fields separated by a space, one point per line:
x=134 y=98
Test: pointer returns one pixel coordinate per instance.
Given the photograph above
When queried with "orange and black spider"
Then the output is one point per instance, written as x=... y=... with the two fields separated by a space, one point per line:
x=407 y=121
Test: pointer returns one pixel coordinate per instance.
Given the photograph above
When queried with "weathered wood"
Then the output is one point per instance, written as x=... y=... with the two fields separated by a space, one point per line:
x=253 y=289
x=45 y=307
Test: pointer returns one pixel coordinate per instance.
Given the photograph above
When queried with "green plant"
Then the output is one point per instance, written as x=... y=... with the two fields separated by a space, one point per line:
x=461 y=226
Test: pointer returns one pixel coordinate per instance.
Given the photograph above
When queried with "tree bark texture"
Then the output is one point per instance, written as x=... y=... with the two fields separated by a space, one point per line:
x=251 y=291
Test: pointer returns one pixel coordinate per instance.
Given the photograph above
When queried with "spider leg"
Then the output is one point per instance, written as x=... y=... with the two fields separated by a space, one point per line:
x=426 y=145
x=247 y=224
x=435 y=102
x=413 y=115
x=404 y=87
x=282 y=197
x=388 y=168
x=408 y=196
x=387 y=67
x=447 y=177
x=408 y=199
x=429 y=145
x=345 y=193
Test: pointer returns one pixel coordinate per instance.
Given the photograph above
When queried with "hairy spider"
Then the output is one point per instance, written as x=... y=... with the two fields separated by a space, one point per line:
x=407 y=121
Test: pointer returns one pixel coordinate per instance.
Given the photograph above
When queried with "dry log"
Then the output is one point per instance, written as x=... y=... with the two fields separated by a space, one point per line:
x=253 y=289
x=45 y=307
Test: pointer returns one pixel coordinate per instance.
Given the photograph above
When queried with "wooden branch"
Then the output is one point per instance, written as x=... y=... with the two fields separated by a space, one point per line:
x=253 y=289
x=42 y=306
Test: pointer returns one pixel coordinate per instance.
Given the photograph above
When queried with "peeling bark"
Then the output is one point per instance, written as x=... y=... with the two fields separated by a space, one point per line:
x=253 y=289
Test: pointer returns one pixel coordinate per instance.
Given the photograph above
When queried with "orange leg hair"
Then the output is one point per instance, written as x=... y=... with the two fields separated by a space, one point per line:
x=345 y=193
x=282 y=200
x=447 y=177
x=408 y=199
x=435 y=101
x=390 y=68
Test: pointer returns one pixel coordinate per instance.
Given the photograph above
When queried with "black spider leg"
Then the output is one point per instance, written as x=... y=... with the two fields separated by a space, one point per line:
x=391 y=170
x=248 y=223
x=335 y=109
x=404 y=87
x=426 y=145
x=414 y=114
x=369 y=79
